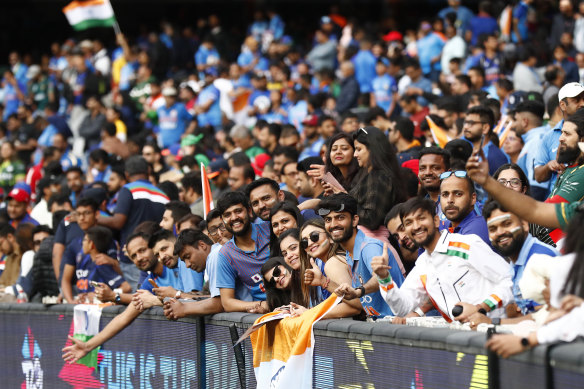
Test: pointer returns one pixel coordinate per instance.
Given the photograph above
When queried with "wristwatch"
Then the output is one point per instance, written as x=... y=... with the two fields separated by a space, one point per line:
x=482 y=311
x=496 y=321
x=177 y=295
x=118 y=298
x=525 y=342
x=362 y=289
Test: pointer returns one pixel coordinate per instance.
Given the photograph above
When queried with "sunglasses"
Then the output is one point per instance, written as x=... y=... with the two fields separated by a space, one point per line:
x=458 y=173
x=325 y=211
x=276 y=273
x=314 y=237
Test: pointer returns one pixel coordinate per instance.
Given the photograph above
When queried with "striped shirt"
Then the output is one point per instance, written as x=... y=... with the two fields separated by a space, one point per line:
x=241 y=270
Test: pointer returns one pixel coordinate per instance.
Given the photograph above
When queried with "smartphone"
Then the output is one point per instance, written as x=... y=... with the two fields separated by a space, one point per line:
x=94 y=284
x=152 y=282
x=482 y=142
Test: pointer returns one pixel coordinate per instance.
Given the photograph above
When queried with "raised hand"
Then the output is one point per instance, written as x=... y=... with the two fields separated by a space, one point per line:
x=477 y=167
x=76 y=351
x=313 y=276
x=379 y=264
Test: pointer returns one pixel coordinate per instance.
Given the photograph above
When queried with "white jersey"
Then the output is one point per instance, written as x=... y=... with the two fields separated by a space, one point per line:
x=462 y=268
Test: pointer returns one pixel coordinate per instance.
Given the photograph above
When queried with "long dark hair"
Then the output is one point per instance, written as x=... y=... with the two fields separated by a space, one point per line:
x=575 y=244
x=277 y=297
x=346 y=182
x=290 y=209
x=382 y=158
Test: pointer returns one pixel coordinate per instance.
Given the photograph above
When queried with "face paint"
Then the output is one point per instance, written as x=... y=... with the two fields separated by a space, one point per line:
x=516 y=229
x=499 y=218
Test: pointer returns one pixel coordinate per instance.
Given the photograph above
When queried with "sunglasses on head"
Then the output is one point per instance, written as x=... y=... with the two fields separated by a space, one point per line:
x=314 y=237
x=326 y=211
x=458 y=173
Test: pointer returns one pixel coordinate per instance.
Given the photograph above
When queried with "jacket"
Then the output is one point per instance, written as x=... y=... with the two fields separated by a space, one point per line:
x=462 y=268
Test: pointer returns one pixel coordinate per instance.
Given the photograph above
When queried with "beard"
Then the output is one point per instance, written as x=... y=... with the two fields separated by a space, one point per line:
x=347 y=234
x=512 y=248
x=568 y=155
x=244 y=230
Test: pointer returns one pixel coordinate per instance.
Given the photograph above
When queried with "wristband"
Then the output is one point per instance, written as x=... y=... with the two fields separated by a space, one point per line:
x=419 y=312
x=385 y=281
x=362 y=289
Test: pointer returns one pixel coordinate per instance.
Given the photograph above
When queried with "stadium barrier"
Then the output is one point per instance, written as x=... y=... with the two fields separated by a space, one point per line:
x=198 y=353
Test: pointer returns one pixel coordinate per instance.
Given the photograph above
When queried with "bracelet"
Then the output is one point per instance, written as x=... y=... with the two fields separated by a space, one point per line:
x=362 y=289
x=385 y=281
x=326 y=283
x=419 y=311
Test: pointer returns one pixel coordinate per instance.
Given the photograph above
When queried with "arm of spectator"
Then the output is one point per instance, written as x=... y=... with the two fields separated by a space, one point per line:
x=31 y=144
x=104 y=293
x=116 y=222
x=309 y=204
x=103 y=259
x=506 y=345
x=121 y=40
x=544 y=172
x=174 y=309
x=392 y=105
x=522 y=205
x=79 y=349
x=66 y=282
x=164 y=291
x=58 y=250
x=231 y=304
x=143 y=299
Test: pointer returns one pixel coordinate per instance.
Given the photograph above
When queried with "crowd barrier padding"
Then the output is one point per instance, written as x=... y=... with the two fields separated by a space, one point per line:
x=198 y=352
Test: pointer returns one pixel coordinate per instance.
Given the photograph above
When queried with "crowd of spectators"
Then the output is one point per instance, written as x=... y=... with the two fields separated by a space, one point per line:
x=327 y=170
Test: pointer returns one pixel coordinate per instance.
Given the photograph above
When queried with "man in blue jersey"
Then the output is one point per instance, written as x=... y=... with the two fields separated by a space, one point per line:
x=340 y=219
x=510 y=238
x=82 y=266
x=173 y=118
x=240 y=260
x=138 y=201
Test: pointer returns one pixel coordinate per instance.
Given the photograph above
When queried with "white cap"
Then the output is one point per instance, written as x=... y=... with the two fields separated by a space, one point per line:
x=571 y=89
x=169 y=91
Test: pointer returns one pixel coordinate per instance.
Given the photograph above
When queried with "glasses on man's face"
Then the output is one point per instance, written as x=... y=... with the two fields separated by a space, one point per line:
x=471 y=123
x=314 y=236
x=215 y=230
x=84 y=213
x=458 y=173
x=513 y=183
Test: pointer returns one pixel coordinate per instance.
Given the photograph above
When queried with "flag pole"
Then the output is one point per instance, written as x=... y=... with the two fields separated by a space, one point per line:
x=116 y=26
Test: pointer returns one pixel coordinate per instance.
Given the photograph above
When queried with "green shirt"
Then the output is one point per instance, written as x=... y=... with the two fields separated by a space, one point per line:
x=254 y=151
x=565 y=211
x=570 y=185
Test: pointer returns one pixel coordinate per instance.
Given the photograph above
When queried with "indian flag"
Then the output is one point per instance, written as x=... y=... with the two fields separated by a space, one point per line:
x=207 y=195
x=282 y=353
x=440 y=136
x=458 y=249
x=86 y=326
x=90 y=13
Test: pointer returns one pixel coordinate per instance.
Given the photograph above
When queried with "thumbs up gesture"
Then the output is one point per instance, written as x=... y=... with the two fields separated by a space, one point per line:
x=313 y=275
x=379 y=263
